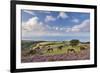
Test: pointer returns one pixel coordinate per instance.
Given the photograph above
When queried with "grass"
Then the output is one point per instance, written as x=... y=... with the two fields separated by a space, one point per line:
x=55 y=45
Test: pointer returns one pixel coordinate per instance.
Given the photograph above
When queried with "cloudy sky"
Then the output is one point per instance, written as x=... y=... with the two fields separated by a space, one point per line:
x=55 y=26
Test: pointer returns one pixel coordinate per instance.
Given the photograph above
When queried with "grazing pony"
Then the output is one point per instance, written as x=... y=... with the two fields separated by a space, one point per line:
x=71 y=51
x=36 y=50
x=50 y=49
x=82 y=48
x=60 y=48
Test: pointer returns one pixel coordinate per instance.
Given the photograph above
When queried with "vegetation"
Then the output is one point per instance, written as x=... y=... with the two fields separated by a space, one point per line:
x=38 y=51
x=74 y=42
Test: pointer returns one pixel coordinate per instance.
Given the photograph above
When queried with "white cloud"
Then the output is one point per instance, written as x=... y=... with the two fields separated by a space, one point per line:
x=45 y=12
x=56 y=28
x=33 y=26
x=49 y=18
x=29 y=12
x=83 y=27
x=61 y=29
x=75 y=30
x=68 y=30
x=62 y=15
x=75 y=20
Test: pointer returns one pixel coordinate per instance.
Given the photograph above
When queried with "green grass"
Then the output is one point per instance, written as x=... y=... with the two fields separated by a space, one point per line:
x=55 y=45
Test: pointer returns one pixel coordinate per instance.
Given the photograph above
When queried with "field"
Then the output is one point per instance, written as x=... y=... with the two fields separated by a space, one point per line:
x=44 y=51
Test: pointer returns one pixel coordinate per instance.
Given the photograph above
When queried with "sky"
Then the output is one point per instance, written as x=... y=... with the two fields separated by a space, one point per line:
x=55 y=25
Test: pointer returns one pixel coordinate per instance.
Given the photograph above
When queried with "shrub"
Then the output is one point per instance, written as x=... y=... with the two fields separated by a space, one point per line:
x=32 y=52
x=74 y=42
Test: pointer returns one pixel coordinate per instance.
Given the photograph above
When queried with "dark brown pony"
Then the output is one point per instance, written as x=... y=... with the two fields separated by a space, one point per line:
x=82 y=48
x=60 y=47
x=50 y=49
x=71 y=50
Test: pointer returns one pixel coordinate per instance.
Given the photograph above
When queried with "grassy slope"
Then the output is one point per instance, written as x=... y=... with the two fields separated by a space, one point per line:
x=55 y=45
x=57 y=51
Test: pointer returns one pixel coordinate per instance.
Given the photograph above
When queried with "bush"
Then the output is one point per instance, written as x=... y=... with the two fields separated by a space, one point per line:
x=74 y=42
x=32 y=52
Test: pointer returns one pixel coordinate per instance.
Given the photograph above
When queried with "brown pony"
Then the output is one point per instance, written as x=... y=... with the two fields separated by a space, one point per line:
x=50 y=49
x=60 y=47
x=71 y=51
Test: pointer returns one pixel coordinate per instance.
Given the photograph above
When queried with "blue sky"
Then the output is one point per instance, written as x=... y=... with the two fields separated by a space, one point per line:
x=55 y=25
